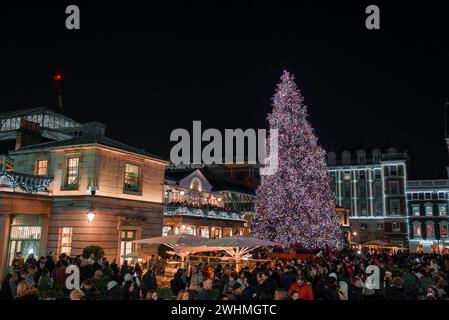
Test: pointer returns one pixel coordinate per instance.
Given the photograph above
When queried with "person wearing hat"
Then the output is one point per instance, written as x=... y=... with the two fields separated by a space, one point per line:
x=114 y=292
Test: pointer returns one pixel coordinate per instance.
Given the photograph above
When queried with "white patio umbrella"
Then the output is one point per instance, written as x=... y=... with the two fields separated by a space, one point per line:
x=238 y=247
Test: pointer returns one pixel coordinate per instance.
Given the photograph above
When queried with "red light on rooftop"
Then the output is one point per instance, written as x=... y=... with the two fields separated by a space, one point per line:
x=57 y=77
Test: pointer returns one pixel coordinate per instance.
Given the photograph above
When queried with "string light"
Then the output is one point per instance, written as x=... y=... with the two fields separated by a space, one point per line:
x=295 y=206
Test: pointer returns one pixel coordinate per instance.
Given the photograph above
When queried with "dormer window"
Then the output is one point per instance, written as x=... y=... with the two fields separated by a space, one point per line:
x=361 y=157
x=346 y=155
x=196 y=184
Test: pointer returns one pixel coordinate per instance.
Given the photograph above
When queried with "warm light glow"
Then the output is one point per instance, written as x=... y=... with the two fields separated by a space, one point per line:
x=219 y=199
x=90 y=216
x=354 y=233
x=181 y=193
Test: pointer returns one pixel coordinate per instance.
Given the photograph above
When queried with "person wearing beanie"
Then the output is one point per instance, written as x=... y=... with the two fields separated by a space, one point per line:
x=114 y=292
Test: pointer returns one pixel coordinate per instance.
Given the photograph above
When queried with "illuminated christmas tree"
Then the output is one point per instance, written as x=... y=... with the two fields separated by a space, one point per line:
x=295 y=206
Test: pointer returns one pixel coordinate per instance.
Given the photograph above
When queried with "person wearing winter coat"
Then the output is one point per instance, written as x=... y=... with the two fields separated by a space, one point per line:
x=114 y=291
x=147 y=282
x=355 y=290
x=394 y=291
x=177 y=283
x=287 y=279
x=302 y=288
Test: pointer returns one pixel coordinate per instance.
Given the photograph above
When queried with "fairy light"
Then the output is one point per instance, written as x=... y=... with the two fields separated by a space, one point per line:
x=296 y=205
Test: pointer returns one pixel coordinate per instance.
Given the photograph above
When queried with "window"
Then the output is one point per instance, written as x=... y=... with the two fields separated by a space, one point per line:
x=414 y=196
x=380 y=226
x=394 y=187
x=417 y=230
x=131 y=178
x=378 y=190
x=429 y=209
x=65 y=240
x=166 y=230
x=41 y=167
x=427 y=195
x=379 y=208
x=396 y=226
x=377 y=173
x=196 y=184
x=363 y=210
x=415 y=210
x=430 y=228
x=362 y=190
x=363 y=226
x=443 y=230
x=393 y=170
x=362 y=174
x=442 y=210
x=126 y=245
x=395 y=207
x=204 y=232
x=72 y=172
x=441 y=195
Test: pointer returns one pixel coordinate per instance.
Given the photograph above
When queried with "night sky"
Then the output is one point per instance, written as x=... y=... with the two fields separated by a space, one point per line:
x=144 y=71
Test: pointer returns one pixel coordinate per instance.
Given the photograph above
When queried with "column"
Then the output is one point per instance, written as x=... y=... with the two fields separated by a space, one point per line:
x=5 y=222
x=44 y=235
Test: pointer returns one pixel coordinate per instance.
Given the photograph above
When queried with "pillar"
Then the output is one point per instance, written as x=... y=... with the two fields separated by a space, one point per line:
x=5 y=222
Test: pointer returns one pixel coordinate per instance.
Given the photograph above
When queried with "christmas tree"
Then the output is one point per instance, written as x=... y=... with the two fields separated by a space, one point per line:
x=295 y=206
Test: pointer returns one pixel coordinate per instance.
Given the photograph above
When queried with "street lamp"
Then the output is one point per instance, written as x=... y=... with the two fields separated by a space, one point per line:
x=91 y=215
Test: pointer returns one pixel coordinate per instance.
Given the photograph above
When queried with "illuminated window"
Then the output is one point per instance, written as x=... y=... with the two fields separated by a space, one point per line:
x=430 y=228
x=166 y=230
x=131 y=178
x=126 y=245
x=442 y=210
x=204 y=232
x=416 y=211
x=443 y=231
x=72 y=178
x=417 y=230
x=41 y=167
x=429 y=209
x=195 y=184
x=65 y=240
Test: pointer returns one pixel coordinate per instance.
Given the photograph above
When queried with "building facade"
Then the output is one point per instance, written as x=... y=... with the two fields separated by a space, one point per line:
x=199 y=202
x=75 y=187
x=372 y=185
x=428 y=219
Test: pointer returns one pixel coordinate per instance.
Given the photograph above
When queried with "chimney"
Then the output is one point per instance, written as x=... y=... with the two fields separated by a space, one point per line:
x=94 y=127
x=28 y=133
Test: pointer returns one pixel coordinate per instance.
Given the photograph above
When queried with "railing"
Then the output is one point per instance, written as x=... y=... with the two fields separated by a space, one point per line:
x=25 y=182
x=202 y=212
x=443 y=183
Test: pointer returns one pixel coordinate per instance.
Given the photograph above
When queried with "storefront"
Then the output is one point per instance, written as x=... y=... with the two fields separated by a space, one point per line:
x=24 y=236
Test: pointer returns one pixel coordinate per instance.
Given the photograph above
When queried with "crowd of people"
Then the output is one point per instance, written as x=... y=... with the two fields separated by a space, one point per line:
x=346 y=275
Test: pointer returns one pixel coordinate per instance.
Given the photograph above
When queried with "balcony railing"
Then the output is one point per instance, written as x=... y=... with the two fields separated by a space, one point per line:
x=202 y=213
x=24 y=182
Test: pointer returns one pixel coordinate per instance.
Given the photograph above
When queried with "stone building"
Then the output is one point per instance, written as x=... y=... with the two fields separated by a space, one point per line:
x=427 y=215
x=65 y=186
x=201 y=202
x=372 y=185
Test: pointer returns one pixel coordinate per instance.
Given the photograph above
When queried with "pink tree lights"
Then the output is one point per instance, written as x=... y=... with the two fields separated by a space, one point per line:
x=295 y=206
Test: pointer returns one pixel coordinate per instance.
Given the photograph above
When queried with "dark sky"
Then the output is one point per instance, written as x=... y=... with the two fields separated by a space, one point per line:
x=144 y=71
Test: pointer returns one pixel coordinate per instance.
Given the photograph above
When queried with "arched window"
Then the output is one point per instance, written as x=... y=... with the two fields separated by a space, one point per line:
x=196 y=184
